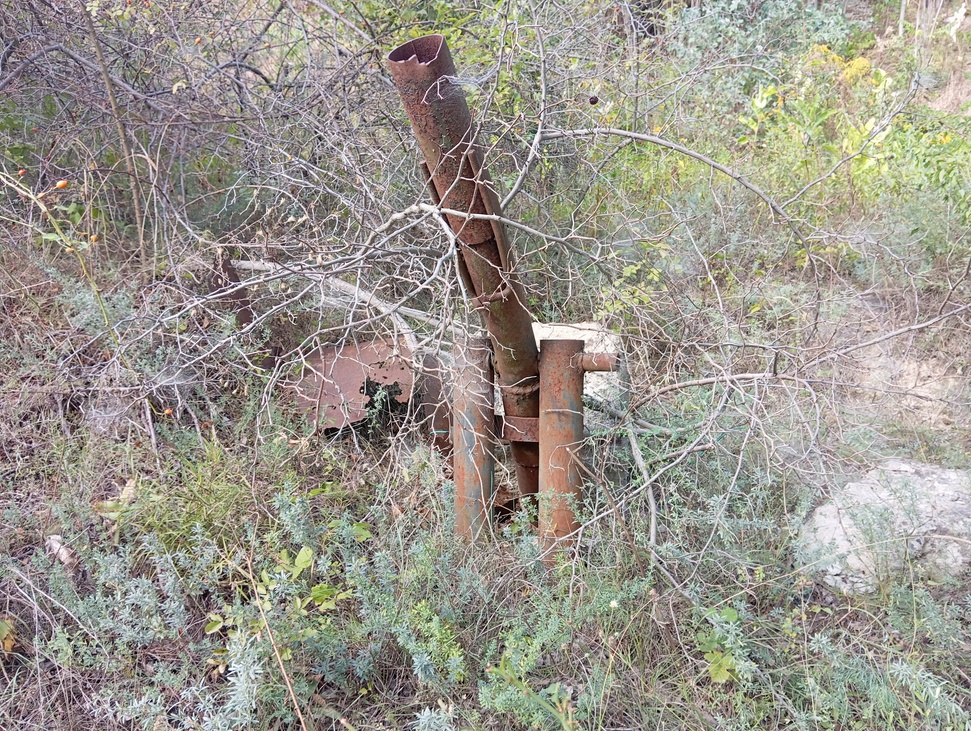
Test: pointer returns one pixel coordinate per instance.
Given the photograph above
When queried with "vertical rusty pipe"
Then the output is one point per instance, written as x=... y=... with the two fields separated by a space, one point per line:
x=436 y=411
x=560 y=436
x=424 y=75
x=473 y=420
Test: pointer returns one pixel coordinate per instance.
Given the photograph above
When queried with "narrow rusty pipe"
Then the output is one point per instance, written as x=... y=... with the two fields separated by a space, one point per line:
x=424 y=75
x=602 y=362
x=473 y=419
x=435 y=404
x=560 y=436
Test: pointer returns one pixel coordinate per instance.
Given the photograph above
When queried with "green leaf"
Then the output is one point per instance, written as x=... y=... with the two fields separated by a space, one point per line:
x=720 y=666
x=706 y=641
x=361 y=532
x=729 y=614
x=325 y=488
x=215 y=624
x=326 y=596
x=304 y=559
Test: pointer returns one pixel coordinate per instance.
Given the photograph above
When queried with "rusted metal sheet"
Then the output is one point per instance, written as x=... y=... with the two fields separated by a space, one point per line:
x=560 y=437
x=424 y=75
x=473 y=417
x=338 y=381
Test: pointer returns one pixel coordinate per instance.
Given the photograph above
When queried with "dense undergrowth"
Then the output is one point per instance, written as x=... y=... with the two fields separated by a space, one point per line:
x=748 y=197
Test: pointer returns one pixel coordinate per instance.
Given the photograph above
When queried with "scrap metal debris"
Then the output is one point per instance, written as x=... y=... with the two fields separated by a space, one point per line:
x=339 y=383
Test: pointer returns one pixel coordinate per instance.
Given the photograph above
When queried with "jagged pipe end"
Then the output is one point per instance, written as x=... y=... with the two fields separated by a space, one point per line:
x=425 y=50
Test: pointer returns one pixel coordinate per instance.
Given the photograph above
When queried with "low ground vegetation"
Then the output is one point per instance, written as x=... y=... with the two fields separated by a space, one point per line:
x=769 y=203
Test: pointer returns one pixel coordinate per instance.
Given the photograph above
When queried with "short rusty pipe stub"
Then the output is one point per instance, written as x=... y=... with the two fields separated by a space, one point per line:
x=602 y=362
x=560 y=437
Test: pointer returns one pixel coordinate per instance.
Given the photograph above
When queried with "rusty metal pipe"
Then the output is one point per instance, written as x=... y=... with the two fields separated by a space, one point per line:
x=473 y=419
x=434 y=386
x=560 y=437
x=424 y=75
x=603 y=362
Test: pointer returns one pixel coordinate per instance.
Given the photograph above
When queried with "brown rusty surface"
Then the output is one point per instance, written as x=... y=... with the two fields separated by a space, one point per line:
x=423 y=72
x=518 y=428
x=226 y=277
x=433 y=388
x=473 y=460
x=600 y=362
x=560 y=437
x=332 y=387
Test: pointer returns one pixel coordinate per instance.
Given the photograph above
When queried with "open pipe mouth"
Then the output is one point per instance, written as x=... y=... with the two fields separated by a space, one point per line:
x=425 y=49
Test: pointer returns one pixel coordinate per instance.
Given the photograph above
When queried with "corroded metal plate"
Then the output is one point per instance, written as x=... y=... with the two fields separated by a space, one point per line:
x=336 y=386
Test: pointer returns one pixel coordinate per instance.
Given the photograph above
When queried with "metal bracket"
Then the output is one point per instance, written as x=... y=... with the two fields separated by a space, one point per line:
x=517 y=428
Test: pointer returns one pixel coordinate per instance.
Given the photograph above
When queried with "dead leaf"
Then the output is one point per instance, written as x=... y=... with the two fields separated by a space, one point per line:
x=56 y=547
x=8 y=637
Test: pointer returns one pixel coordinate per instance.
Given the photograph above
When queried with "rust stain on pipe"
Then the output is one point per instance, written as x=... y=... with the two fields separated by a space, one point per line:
x=424 y=75
x=560 y=436
x=473 y=417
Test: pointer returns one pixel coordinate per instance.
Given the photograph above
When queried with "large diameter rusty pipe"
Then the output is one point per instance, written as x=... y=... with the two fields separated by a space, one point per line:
x=473 y=420
x=424 y=74
x=560 y=437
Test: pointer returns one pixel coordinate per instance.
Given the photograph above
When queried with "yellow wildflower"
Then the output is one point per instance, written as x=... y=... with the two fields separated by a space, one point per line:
x=856 y=70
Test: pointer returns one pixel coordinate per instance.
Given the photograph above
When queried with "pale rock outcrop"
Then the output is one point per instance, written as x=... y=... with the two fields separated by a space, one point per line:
x=902 y=516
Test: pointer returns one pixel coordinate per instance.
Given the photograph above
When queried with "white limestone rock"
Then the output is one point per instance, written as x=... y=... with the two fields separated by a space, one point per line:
x=901 y=516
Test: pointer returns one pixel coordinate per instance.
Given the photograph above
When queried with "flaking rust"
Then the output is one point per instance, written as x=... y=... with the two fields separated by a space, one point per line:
x=334 y=387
